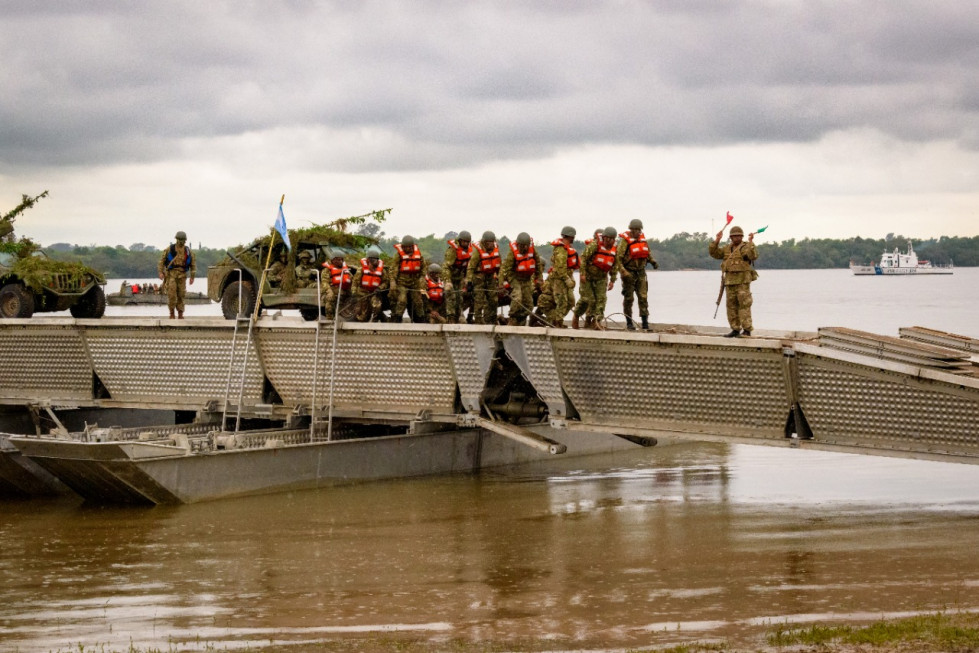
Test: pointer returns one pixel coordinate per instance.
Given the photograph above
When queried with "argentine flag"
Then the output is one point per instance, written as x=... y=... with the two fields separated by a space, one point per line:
x=280 y=226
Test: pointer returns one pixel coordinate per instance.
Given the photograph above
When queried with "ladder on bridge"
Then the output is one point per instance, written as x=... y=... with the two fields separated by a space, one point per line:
x=240 y=318
x=313 y=421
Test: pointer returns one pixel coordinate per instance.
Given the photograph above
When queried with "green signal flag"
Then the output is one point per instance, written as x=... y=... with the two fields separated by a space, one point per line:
x=758 y=231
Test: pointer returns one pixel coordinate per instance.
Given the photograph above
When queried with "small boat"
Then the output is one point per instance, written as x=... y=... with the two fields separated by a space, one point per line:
x=897 y=263
x=129 y=298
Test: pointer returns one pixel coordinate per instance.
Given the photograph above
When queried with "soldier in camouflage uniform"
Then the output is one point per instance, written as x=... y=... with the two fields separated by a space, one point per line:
x=336 y=282
x=564 y=261
x=369 y=284
x=632 y=255
x=408 y=282
x=435 y=295
x=176 y=263
x=481 y=279
x=277 y=271
x=522 y=270
x=737 y=260
x=454 y=269
x=305 y=273
x=600 y=262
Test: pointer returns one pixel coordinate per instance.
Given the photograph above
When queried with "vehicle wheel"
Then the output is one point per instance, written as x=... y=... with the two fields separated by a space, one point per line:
x=91 y=305
x=16 y=301
x=229 y=299
x=308 y=314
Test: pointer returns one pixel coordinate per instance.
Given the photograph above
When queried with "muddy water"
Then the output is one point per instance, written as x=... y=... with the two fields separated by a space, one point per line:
x=653 y=547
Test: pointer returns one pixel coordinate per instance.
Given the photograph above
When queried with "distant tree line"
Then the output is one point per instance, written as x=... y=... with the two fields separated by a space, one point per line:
x=682 y=251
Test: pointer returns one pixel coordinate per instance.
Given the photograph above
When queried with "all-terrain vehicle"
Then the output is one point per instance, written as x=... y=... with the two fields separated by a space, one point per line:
x=240 y=273
x=35 y=284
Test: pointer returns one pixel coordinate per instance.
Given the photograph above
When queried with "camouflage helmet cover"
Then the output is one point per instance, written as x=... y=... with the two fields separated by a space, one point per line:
x=523 y=238
x=568 y=232
x=737 y=231
x=488 y=236
x=407 y=240
x=635 y=223
x=305 y=255
x=464 y=235
x=181 y=235
x=610 y=232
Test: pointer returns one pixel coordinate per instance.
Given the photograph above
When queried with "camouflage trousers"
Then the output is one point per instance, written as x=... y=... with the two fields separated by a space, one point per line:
x=594 y=293
x=739 y=306
x=328 y=299
x=485 y=298
x=436 y=313
x=636 y=284
x=369 y=307
x=563 y=299
x=457 y=300
x=176 y=283
x=409 y=295
x=521 y=299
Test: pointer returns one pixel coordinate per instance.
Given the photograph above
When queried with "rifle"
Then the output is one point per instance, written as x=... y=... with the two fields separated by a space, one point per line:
x=720 y=294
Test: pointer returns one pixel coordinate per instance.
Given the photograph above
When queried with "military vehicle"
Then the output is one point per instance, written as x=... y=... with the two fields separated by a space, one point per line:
x=234 y=281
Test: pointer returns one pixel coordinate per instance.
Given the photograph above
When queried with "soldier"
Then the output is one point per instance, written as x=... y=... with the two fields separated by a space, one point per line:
x=545 y=305
x=522 y=270
x=369 y=284
x=481 y=279
x=564 y=261
x=305 y=272
x=174 y=266
x=597 y=277
x=340 y=278
x=435 y=295
x=632 y=255
x=737 y=274
x=277 y=270
x=408 y=281
x=456 y=264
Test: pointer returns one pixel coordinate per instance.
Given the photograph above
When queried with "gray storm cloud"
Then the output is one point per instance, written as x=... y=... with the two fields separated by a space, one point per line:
x=433 y=84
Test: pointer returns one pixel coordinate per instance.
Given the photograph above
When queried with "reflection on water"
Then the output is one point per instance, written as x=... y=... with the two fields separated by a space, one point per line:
x=651 y=547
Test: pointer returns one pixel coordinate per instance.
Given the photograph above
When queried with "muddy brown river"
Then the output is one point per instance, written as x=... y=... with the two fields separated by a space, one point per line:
x=647 y=548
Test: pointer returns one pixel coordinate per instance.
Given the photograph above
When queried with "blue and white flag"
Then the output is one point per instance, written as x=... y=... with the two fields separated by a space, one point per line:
x=280 y=226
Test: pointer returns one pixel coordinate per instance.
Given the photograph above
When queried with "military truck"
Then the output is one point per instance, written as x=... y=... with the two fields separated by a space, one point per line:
x=234 y=281
x=34 y=283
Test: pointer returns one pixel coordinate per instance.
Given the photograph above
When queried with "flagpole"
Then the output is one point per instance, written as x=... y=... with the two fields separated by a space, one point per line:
x=268 y=261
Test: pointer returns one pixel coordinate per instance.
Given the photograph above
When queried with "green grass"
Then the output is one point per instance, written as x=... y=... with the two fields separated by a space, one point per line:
x=939 y=631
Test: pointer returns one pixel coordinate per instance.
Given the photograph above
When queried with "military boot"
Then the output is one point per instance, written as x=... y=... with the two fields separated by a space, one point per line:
x=180 y=315
x=171 y=314
x=575 y=324
x=514 y=322
x=589 y=322
x=645 y=323
x=629 y=324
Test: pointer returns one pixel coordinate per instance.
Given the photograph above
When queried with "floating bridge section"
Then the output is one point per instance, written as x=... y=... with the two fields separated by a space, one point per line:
x=917 y=395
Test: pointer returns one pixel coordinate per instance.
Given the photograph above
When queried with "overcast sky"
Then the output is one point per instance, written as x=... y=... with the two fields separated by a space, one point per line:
x=821 y=119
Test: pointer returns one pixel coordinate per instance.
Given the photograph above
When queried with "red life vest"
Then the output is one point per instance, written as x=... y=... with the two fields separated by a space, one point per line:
x=370 y=279
x=638 y=247
x=489 y=262
x=410 y=263
x=573 y=263
x=336 y=274
x=525 y=264
x=436 y=290
x=135 y=288
x=462 y=255
x=604 y=257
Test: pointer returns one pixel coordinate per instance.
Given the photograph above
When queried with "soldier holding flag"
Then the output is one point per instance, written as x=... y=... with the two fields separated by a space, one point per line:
x=738 y=272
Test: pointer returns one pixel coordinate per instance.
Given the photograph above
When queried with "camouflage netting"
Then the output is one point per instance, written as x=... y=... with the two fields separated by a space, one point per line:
x=37 y=272
x=333 y=233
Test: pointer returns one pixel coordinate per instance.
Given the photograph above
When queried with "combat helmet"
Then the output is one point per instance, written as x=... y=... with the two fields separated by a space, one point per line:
x=181 y=235
x=434 y=268
x=635 y=223
x=464 y=235
x=373 y=252
x=523 y=238
x=568 y=232
x=488 y=236
x=737 y=231
x=305 y=255
x=610 y=232
x=407 y=240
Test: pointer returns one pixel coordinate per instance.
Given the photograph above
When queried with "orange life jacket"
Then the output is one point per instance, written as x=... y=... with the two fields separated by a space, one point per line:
x=573 y=263
x=339 y=275
x=462 y=255
x=525 y=264
x=410 y=263
x=436 y=290
x=638 y=247
x=604 y=257
x=489 y=262
x=370 y=279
